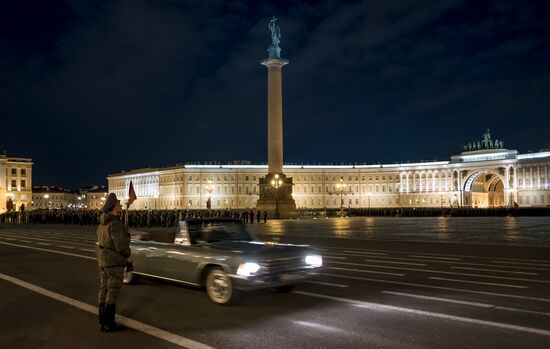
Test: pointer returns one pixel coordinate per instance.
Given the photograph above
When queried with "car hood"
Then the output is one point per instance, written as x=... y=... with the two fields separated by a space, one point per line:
x=267 y=249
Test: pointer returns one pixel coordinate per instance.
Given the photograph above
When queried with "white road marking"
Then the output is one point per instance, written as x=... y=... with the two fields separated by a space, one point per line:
x=446 y=255
x=496 y=271
x=445 y=258
x=330 y=257
x=365 y=271
x=546 y=300
x=520 y=263
x=43 y=243
x=136 y=325
x=385 y=307
x=11 y=239
x=482 y=305
x=27 y=241
x=448 y=262
x=523 y=311
x=376 y=253
x=387 y=262
x=64 y=246
x=85 y=249
x=47 y=250
x=326 y=283
x=447 y=300
x=54 y=240
x=318 y=326
x=443 y=272
x=476 y=282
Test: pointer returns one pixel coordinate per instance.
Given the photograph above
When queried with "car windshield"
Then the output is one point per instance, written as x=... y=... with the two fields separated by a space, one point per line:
x=208 y=232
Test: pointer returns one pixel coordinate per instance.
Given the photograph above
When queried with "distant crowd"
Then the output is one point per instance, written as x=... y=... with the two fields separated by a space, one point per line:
x=136 y=218
x=170 y=218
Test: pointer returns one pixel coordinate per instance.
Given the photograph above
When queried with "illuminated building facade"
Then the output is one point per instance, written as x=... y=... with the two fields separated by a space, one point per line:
x=484 y=175
x=51 y=197
x=15 y=183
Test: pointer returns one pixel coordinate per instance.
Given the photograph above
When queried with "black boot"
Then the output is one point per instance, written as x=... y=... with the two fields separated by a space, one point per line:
x=102 y=314
x=109 y=318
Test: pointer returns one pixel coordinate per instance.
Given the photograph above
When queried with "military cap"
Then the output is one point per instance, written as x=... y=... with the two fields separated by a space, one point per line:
x=110 y=202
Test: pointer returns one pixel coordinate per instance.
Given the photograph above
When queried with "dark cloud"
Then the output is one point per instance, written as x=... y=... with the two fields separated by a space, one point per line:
x=93 y=87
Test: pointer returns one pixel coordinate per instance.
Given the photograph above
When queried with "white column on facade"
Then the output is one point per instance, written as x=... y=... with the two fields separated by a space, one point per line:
x=523 y=177
x=539 y=177
x=433 y=179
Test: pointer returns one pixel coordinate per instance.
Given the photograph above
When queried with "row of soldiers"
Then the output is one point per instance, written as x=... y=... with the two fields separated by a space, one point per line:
x=136 y=218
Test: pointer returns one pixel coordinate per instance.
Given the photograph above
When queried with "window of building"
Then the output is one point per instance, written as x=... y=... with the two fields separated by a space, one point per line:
x=246 y=178
x=13 y=171
x=23 y=183
x=23 y=172
x=391 y=177
x=253 y=178
x=527 y=200
x=377 y=188
x=13 y=184
x=356 y=178
x=349 y=178
x=190 y=203
x=376 y=177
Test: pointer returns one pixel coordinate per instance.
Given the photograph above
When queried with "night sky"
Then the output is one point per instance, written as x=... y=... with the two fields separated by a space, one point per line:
x=89 y=88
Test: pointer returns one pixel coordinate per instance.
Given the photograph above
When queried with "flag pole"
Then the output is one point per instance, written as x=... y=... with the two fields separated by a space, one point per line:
x=126 y=220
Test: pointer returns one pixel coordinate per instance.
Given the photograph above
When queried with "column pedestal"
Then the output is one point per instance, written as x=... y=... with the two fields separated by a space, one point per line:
x=276 y=199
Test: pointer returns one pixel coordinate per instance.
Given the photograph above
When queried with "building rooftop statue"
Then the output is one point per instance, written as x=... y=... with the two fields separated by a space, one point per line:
x=485 y=144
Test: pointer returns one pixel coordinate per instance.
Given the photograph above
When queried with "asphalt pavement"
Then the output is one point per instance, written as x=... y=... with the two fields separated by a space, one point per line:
x=372 y=294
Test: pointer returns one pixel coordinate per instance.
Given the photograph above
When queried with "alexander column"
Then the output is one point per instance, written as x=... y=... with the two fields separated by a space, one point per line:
x=275 y=187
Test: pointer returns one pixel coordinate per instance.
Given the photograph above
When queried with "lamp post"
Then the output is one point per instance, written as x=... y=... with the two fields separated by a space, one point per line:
x=209 y=187
x=276 y=183
x=341 y=187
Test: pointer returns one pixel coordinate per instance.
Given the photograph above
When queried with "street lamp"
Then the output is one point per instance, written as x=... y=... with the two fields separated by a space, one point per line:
x=276 y=183
x=341 y=188
x=209 y=187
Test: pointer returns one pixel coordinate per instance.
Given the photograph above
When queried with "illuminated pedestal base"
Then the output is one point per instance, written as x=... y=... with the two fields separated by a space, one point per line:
x=276 y=200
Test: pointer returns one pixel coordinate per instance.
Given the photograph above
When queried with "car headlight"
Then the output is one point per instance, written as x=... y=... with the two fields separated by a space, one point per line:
x=314 y=260
x=247 y=269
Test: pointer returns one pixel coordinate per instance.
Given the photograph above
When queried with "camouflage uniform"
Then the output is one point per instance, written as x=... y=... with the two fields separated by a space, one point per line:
x=112 y=256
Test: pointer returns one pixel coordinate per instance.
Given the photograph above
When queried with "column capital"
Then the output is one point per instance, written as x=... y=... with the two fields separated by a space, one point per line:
x=274 y=62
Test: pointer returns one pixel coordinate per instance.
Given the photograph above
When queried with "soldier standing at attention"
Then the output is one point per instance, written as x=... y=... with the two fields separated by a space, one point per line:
x=112 y=256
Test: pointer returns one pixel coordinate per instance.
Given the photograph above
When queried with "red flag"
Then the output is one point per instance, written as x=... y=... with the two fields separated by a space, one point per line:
x=131 y=194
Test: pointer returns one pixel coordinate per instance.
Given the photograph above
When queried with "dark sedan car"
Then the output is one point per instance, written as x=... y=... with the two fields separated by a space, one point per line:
x=225 y=257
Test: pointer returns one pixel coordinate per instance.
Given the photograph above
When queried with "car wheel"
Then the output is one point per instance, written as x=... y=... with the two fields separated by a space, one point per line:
x=284 y=289
x=220 y=287
x=129 y=277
